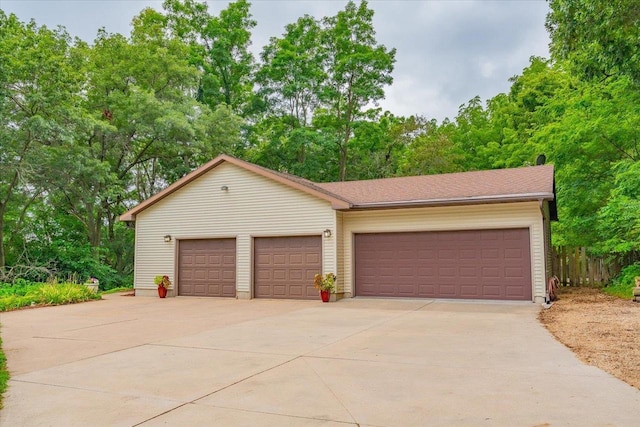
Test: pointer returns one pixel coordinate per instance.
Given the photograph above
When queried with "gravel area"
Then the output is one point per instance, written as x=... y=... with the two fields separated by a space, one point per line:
x=601 y=330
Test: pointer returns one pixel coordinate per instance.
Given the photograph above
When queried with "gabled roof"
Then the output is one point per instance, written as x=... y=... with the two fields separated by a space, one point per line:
x=492 y=186
x=289 y=180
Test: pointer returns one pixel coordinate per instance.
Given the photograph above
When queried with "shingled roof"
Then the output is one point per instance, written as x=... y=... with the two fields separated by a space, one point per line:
x=533 y=183
x=526 y=183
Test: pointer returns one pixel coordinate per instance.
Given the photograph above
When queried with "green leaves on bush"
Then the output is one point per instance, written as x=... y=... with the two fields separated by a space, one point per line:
x=14 y=297
x=622 y=286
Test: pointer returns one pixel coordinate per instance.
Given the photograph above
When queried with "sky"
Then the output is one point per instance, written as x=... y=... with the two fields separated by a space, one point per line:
x=448 y=51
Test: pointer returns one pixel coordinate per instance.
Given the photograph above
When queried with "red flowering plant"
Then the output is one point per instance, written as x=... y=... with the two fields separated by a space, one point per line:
x=326 y=282
x=162 y=281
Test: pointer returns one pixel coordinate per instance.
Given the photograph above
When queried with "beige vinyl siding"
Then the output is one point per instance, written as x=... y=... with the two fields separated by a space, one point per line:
x=252 y=206
x=506 y=215
x=339 y=253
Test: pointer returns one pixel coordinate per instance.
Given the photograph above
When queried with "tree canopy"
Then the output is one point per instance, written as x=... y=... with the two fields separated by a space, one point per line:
x=88 y=130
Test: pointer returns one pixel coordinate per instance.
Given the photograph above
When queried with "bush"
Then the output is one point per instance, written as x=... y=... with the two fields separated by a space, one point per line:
x=20 y=287
x=622 y=286
x=13 y=297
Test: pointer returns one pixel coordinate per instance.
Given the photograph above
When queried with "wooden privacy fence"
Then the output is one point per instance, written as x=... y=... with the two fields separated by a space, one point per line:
x=575 y=267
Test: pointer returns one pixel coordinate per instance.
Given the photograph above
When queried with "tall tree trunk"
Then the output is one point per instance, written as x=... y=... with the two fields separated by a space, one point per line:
x=343 y=161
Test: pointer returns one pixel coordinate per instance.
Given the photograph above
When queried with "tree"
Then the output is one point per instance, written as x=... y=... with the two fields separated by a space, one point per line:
x=600 y=38
x=594 y=145
x=292 y=74
x=358 y=69
x=319 y=81
x=40 y=86
x=219 y=48
x=431 y=149
x=290 y=80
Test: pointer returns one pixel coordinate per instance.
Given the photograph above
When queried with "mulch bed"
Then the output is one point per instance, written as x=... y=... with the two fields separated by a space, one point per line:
x=600 y=329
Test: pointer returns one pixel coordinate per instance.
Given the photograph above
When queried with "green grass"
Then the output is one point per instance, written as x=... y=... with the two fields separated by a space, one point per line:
x=41 y=294
x=622 y=286
x=118 y=290
x=4 y=374
x=622 y=290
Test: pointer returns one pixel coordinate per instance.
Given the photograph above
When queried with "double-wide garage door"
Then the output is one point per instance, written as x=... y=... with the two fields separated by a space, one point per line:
x=207 y=267
x=284 y=267
x=474 y=264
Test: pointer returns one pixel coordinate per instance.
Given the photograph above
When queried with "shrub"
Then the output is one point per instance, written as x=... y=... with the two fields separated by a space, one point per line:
x=44 y=294
x=622 y=286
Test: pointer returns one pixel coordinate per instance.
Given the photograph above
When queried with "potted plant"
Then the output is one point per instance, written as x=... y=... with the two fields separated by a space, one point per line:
x=92 y=283
x=163 y=284
x=325 y=284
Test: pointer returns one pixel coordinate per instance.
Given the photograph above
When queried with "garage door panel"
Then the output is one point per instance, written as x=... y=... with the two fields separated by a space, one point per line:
x=428 y=291
x=491 y=291
x=484 y=264
x=207 y=267
x=515 y=253
x=468 y=272
x=513 y=273
x=447 y=291
x=285 y=266
x=296 y=259
x=490 y=254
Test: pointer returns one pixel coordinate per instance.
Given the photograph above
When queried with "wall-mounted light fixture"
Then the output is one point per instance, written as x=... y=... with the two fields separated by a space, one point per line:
x=224 y=188
x=327 y=233
x=167 y=238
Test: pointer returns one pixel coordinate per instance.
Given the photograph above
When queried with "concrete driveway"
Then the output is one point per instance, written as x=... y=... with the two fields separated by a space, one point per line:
x=196 y=361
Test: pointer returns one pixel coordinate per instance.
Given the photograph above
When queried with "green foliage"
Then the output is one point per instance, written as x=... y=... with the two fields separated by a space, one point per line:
x=89 y=130
x=358 y=69
x=4 y=373
x=19 y=288
x=599 y=38
x=162 y=281
x=325 y=283
x=93 y=130
x=317 y=83
x=622 y=286
x=44 y=294
x=219 y=48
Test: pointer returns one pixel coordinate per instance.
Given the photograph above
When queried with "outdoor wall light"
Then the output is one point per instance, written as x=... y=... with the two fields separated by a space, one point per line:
x=327 y=233
x=167 y=238
x=224 y=188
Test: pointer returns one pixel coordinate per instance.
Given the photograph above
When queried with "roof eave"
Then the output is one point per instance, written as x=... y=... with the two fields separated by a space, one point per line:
x=510 y=198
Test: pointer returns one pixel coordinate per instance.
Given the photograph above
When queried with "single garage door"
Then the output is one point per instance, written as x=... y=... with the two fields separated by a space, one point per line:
x=207 y=268
x=284 y=267
x=474 y=264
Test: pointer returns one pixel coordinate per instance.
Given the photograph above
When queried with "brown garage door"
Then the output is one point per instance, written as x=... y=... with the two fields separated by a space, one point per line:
x=474 y=264
x=284 y=267
x=207 y=268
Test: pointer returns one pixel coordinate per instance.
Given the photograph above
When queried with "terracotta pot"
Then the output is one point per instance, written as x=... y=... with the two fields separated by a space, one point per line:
x=325 y=296
x=162 y=292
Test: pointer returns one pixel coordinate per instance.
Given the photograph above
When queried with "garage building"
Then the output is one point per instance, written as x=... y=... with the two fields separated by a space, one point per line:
x=234 y=229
